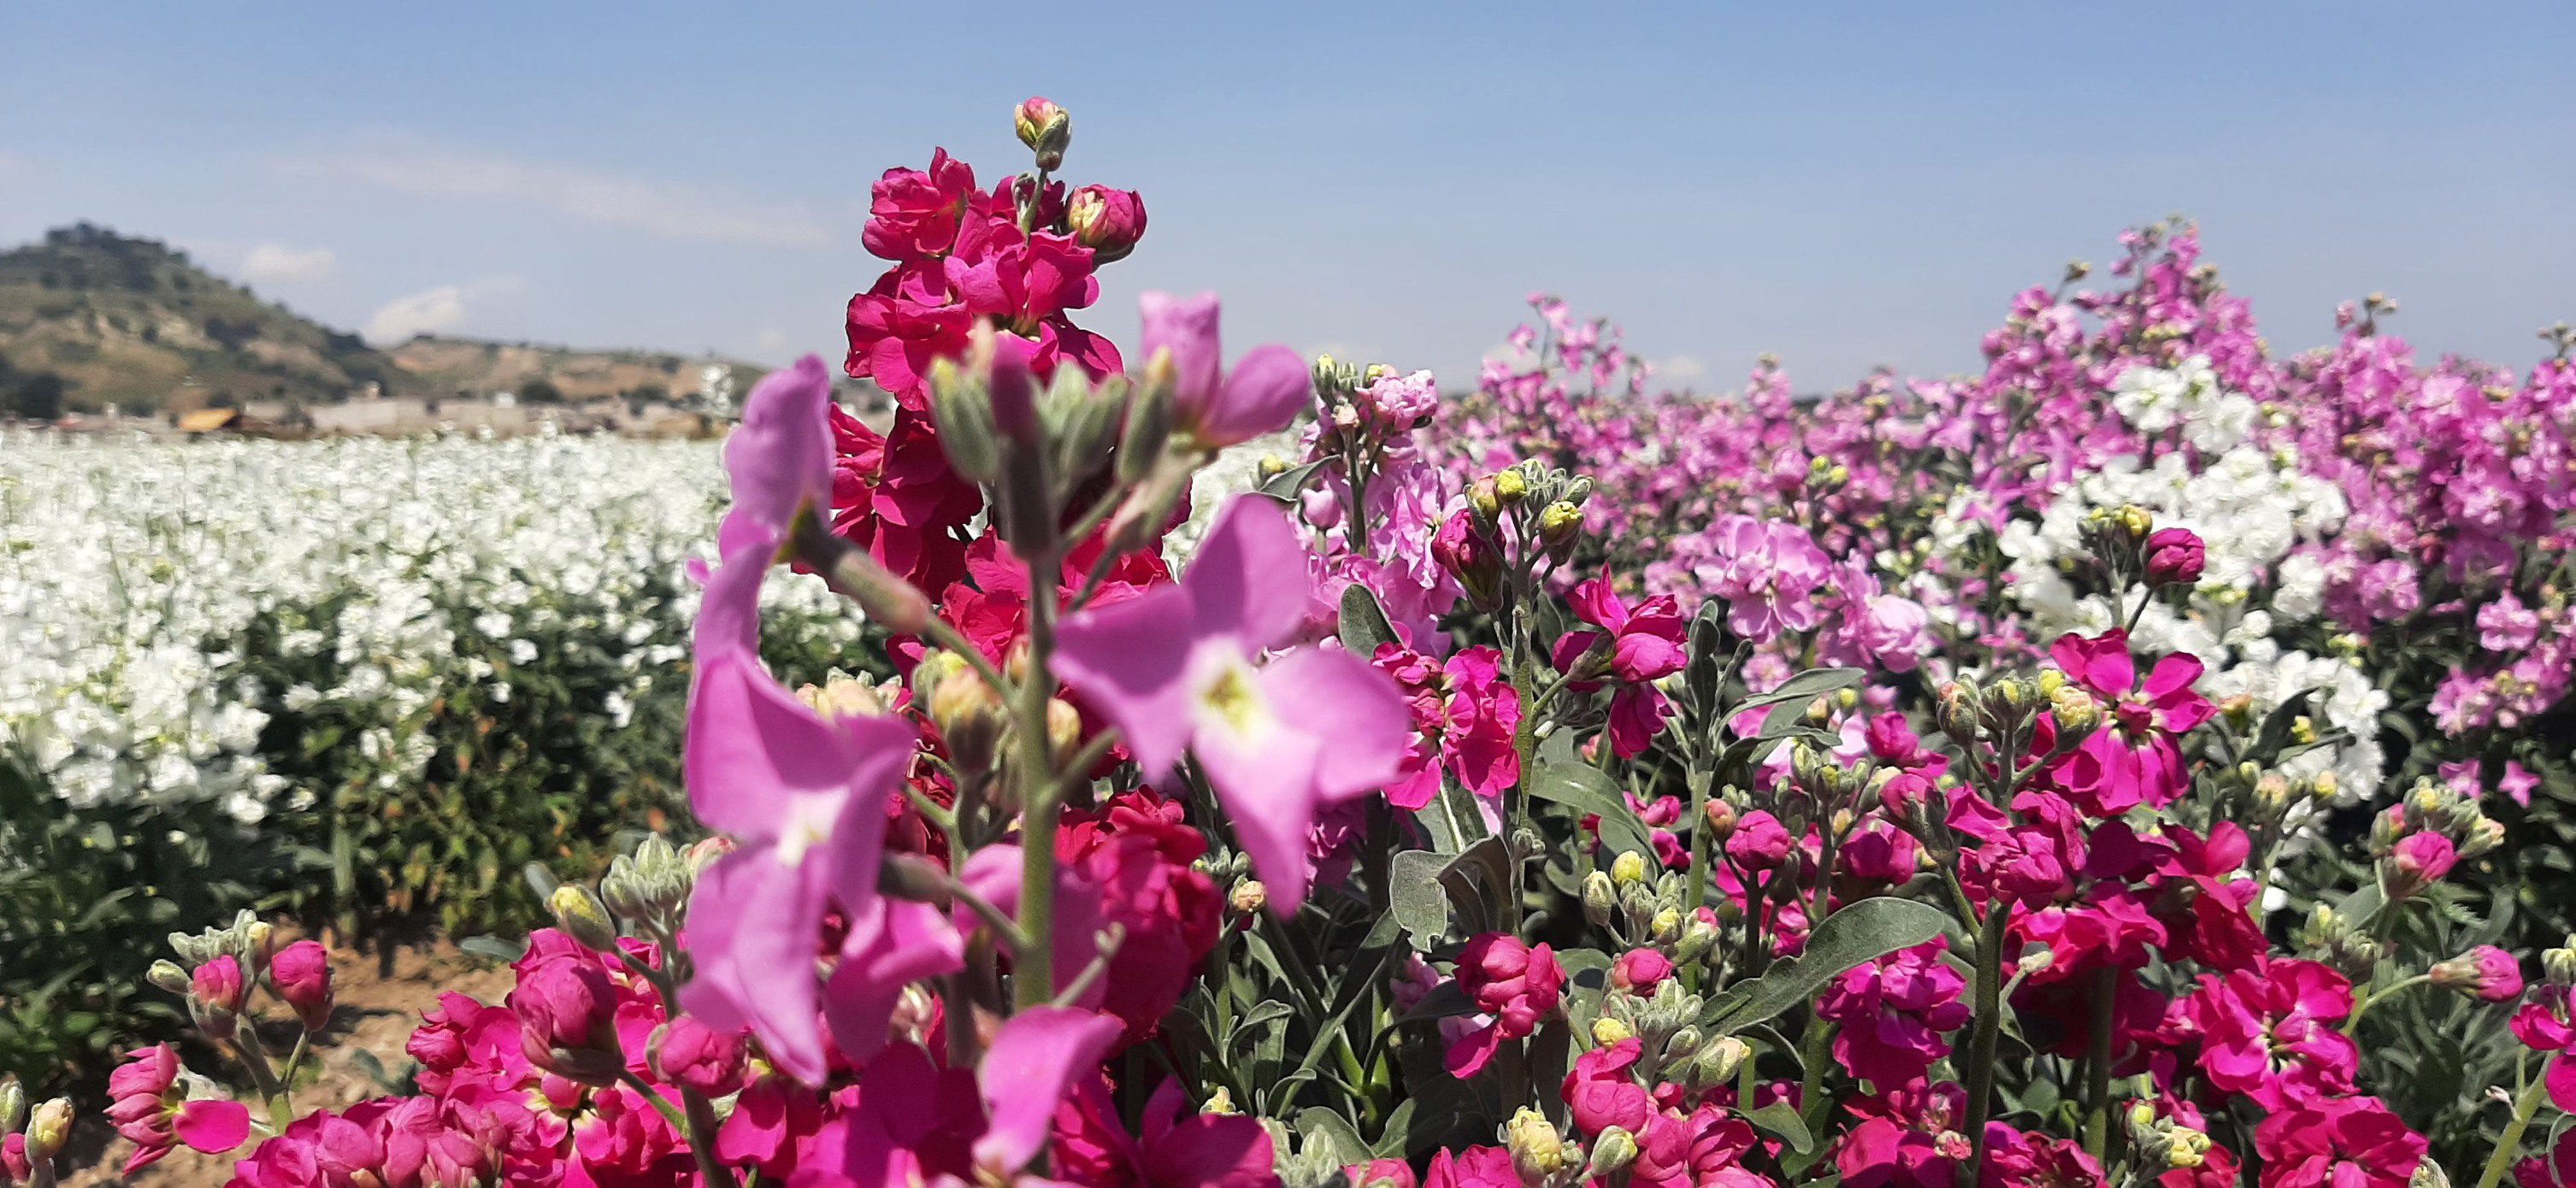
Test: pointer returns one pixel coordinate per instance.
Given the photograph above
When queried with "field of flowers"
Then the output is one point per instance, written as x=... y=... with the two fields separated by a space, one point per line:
x=349 y=680
x=2145 y=761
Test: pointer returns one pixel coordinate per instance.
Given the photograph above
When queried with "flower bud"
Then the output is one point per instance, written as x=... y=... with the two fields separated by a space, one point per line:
x=2559 y=965
x=1485 y=497
x=1510 y=486
x=1683 y=1044
x=1538 y=1152
x=2485 y=835
x=1699 y=939
x=1610 y=1029
x=704 y=852
x=2075 y=712
x=1107 y=221
x=2175 y=557
x=567 y=1011
x=1719 y=1059
x=1666 y=927
x=301 y=974
x=48 y=1129
x=2488 y=972
x=1613 y=1150
x=167 y=975
x=1149 y=419
x=1249 y=897
x=1720 y=817
x=1600 y=899
x=582 y=917
x=882 y=594
x=1559 y=522
x=1045 y=128
x=962 y=410
x=2417 y=861
x=1628 y=867
x=13 y=1103
x=2428 y=1174
x=841 y=697
x=1064 y=730
x=215 y=994
x=692 y=1055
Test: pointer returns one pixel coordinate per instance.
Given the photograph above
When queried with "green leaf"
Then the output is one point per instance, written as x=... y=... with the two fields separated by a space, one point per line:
x=1328 y=1131
x=1364 y=624
x=1587 y=790
x=1415 y=898
x=1782 y=1119
x=1859 y=933
x=1803 y=688
x=493 y=947
x=1285 y=485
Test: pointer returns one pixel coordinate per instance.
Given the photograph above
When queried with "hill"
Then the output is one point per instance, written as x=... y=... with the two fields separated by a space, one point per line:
x=90 y=318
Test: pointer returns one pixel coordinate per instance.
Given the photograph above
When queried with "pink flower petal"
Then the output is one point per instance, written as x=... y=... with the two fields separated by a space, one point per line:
x=213 y=1126
x=1033 y=1062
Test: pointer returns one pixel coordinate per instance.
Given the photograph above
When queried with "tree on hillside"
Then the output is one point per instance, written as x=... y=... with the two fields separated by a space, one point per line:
x=37 y=397
x=540 y=391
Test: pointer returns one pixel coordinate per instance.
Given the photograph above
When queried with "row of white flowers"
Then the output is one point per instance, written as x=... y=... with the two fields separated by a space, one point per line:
x=130 y=570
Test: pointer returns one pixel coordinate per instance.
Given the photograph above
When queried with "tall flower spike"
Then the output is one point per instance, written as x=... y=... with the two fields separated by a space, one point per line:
x=1174 y=669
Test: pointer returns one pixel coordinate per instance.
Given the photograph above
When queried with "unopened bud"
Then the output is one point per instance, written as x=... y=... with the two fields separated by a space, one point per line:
x=13 y=1104
x=1538 y=1151
x=1484 y=496
x=48 y=1129
x=882 y=594
x=167 y=976
x=1719 y=1059
x=1666 y=926
x=2428 y=1174
x=1149 y=419
x=1610 y=1029
x=1045 y=128
x=1559 y=522
x=1600 y=899
x=1221 y=1103
x=1628 y=867
x=1249 y=896
x=1510 y=487
x=1721 y=817
x=1064 y=730
x=2075 y=711
x=582 y=917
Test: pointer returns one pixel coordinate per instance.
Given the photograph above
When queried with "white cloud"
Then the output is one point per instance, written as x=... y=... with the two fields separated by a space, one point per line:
x=771 y=340
x=430 y=311
x=272 y=263
x=636 y=204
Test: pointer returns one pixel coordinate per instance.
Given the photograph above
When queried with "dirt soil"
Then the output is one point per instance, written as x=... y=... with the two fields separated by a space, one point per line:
x=378 y=1002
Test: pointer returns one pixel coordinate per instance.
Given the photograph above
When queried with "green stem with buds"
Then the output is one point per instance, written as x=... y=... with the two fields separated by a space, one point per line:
x=2509 y=1144
x=1988 y=1032
x=1033 y=978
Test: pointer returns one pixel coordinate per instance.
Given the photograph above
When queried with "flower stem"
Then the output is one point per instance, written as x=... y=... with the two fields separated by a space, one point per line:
x=1989 y=1030
x=2509 y=1143
x=2352 y=1026
x=1033 y=977
x=2097 y=1067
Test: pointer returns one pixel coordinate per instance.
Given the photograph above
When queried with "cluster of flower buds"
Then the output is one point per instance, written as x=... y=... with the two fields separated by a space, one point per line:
x=2001 y=712
x=1663 y=1017
x=1648 y=909
x=2272 y=800
x=2350 y=950
x=2161 y=1141
x=1515 y=518
x=2419 y=839
x=1045 y=128
x=2133 y=549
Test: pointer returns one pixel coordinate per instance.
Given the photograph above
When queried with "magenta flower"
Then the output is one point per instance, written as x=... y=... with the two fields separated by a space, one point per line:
x=1893 y=1013
x=1464 y=715
x=1645 y=645
x=2269 y=1033
x=2132 y=759
x=1174 y=668
x=1519 y=984
x=2350 y=1142
x=1602 y=1089
x=2419 y=860
x=2175 y=557
x=152 y=1112
x=802 y=794
x=1173 y=1149
x=1261 y=395
x=913 y=214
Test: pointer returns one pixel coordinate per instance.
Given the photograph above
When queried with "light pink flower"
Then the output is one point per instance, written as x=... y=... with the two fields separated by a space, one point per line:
x=1261 y=395
x=1174 y=668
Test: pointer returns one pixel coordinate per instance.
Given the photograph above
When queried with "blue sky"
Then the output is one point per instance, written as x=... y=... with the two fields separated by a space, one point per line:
x=1842 y=184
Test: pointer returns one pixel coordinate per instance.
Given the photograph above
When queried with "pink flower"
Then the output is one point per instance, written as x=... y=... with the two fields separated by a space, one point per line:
x=1767 y=572
x=302 y=974
x=1174 y=1148
x=1602 y=1091
x=688 y=1053
x=2506 y=625
x=2269 y=1033
x=1645 y=644
x=2132 y=758
x=152 y=1112
x=913 y=214
x=2486 y=971
x=1893 y=1013
x=1472 y=1167
x=1759 y=842
x=567 y=1011
x=2351 y=1142
x=1173 y=668
x=1520 y=985
x=215 y=991
x=803 y=795
x=1107 y=221
x=1261 y=395
x=1637 y=971
x=1464 y=715
x=2175 y=557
